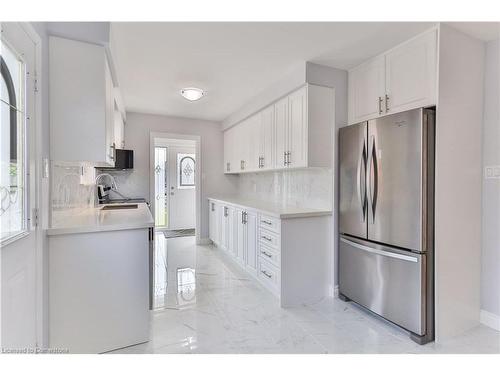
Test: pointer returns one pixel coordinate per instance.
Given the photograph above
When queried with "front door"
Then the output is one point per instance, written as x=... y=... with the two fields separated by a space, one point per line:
x=18 y=187
x=181 y=187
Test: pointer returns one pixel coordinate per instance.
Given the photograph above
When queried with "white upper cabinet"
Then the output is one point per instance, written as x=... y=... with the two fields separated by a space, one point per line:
x=401 y=79
x=297 y=129
x=294 y=132
x=119 y=116
x=267 y=138
x=281 y=133
x=81 y=103
x=410 y=74
x=366 y=90
x=252 y=162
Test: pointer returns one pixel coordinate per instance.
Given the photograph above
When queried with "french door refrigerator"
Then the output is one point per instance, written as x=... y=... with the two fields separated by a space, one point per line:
x=386 y=211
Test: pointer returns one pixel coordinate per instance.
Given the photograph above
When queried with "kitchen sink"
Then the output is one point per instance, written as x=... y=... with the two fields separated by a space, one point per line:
x=119 y=207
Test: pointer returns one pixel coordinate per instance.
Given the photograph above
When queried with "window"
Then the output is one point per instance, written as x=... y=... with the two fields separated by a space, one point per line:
x=186 y=171
x=13 y=216
x=161 y=186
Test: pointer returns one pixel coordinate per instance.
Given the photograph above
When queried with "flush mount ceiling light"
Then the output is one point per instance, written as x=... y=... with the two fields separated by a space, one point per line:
x=192 y=93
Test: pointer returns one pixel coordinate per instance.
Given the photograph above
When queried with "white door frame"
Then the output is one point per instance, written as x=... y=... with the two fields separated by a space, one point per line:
x=38 y=203
x=198 y=182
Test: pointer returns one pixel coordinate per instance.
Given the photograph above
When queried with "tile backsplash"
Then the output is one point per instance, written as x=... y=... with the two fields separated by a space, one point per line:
x=311 y=188
x=72 y=185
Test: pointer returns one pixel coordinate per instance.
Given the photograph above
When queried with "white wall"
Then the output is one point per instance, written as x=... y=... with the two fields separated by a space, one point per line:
x=213 y=180
x=490 y=270
x=458 y=182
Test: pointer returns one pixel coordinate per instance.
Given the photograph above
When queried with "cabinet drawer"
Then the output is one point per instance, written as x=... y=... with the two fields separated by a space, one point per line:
x=270 y=239
x=270 y=223
x=270 y=255
x=269 y=275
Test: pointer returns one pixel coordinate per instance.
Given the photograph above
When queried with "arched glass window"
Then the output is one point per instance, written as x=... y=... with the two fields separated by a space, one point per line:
x=9 y=98
x=186 y=171
x=12 y=143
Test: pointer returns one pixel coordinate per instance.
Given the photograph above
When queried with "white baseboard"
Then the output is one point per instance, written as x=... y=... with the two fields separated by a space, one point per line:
x=489 y=319
x=205 y=241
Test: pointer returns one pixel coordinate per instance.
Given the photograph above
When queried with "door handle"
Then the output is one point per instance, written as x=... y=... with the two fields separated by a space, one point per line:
x=386 y=103
x=361 y=181
x=284 y=159
x=373 y=173
x=380 y=105
x=380 y=252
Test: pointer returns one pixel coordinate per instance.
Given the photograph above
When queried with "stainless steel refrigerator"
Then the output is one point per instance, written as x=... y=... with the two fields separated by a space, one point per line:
x=386 y=219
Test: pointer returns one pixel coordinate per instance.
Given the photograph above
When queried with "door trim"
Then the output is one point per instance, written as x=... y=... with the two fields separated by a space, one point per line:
x=39 y=203
x=199 y=164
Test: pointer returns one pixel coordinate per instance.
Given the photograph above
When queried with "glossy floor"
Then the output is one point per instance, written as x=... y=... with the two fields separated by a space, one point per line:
x=208 y=305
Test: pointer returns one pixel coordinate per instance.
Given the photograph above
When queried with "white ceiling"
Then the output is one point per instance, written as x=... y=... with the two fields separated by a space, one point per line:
x=233 y=62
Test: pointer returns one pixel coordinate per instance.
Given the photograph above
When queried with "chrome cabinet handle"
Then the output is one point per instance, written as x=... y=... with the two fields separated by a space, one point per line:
x=266 y=222
x=213 y=207
x=284 y=159
x=261 y=161
x=380 y=105
x=112 y=151
x=228 y=167
x=386 y=103
x=266 y=254
x=267 y=274
x=288 y=162
x=225 y=211
x=267 y=238
x=242 y=164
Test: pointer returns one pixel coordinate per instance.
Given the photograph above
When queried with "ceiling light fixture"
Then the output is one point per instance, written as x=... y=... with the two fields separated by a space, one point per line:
x=192 y=93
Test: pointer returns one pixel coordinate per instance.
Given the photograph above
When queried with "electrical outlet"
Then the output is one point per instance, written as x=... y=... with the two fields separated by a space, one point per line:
x=492 y=172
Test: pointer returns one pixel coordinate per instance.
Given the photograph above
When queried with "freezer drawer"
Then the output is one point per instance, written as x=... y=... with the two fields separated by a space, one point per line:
x=387 y=281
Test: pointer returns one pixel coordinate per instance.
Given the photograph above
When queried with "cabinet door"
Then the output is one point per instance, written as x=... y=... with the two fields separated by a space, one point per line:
x=251 y=241
x=240 y=237
x=411 y=74
x=212 y=221
x=267 y=138
x=227 y=150
x=242 y=146
x=110 y=116
x=297 y=129
x=366 y=90
x=253 y=143
x=219 y=217
x=280 y=132
x=119 y=130
x=230 y=247
x=224 y=228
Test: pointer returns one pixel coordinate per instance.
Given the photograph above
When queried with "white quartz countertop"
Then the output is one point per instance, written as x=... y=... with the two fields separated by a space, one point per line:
x=272 y=209
x=94 y=219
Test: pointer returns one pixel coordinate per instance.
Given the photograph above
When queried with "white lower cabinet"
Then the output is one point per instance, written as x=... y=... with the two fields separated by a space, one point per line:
x=287 y=256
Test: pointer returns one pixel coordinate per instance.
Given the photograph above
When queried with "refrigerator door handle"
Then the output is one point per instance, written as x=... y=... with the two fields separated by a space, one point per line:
x=380 y=252
x=361 y=181
x=373 y=173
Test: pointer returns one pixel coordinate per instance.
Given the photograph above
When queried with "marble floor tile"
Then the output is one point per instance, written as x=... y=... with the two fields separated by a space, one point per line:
x=207 y=304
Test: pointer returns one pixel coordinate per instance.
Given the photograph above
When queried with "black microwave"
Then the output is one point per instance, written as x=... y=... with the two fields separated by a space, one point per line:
x=124 y=159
